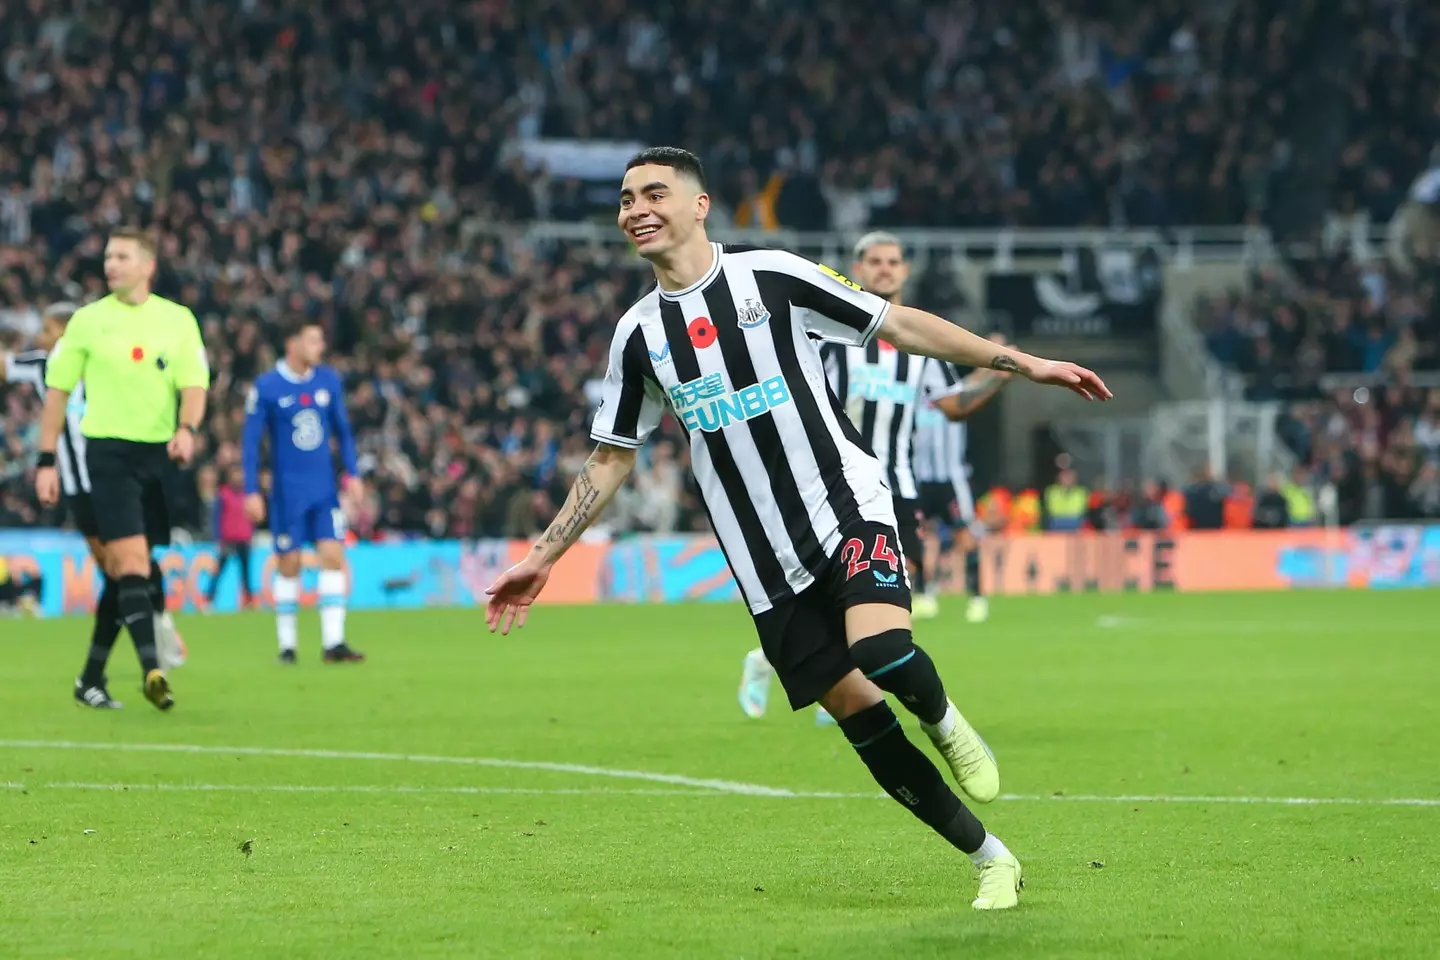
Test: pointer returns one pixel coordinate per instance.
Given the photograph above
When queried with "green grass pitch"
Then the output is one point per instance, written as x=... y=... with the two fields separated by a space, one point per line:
x=464 y=795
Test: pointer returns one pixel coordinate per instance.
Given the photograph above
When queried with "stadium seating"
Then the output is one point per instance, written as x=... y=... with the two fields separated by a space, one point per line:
x=336 y=161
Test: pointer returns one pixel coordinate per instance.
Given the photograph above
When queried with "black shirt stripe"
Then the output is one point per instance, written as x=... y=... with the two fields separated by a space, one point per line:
x=687 y=367
x=773 y=290
x=741 y=367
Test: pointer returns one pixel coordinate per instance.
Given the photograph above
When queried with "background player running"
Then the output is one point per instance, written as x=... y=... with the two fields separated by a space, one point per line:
x=726 y=342
x=883 y=393
x=942 y=473
x=299 y=408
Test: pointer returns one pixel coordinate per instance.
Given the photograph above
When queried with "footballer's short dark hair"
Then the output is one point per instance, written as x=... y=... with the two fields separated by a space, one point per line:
x=299 y=324
x=682 y=160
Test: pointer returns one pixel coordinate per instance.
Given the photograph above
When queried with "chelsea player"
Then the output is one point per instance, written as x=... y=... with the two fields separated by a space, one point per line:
x=300 y=406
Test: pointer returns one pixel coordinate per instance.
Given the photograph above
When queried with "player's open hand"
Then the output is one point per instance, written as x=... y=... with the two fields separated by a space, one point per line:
x=47 y=486
x=514 y=591
x=255 y=507
x=1060 y=373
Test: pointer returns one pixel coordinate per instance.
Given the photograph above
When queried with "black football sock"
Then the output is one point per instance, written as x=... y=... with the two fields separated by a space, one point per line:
x=102 y=641
x=908 y=775
x=972 y=572
x=157 y=587
x=137 y=613
x=893 y=663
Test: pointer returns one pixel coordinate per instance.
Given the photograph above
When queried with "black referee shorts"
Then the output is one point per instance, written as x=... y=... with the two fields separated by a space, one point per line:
x=127 y=490
x=82 y=512
x=804 y=636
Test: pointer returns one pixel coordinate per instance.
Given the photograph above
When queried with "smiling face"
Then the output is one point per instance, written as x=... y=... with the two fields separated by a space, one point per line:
x=661 y=209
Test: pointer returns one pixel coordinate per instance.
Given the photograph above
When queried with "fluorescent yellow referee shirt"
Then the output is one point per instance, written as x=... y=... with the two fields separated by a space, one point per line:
x=134 y=361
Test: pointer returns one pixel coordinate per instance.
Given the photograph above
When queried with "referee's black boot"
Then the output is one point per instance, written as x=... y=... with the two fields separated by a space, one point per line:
x=157 y=690
x=97 y=697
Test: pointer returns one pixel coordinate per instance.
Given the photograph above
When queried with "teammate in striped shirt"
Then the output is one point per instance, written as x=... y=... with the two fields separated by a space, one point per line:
x=889 y=395
x=884 y=393
x=727 y=342
x=943 y=476
x=29 y=367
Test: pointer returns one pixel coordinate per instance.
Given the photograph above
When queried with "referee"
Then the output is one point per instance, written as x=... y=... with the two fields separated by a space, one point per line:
x=135 y=352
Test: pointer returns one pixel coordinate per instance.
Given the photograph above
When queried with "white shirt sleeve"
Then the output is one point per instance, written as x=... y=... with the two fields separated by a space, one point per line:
x=631 y=401
x=827 y=304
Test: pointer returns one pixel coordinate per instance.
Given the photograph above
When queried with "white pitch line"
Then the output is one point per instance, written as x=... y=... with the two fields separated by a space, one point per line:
x=608 y=791
x=1278 y=801
x=699 y=787
x=721 y=786
x=362 y=788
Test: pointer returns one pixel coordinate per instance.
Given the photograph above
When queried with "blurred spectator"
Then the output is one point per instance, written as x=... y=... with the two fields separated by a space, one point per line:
x=1205 y=502
x=1271 y=511
x=1066 y=502
x=233 y=532
x=1149 y=511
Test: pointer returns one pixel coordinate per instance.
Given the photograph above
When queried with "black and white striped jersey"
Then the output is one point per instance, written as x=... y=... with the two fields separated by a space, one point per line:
x=882 y=390
x=29 y=367
x=734 y=356
x=939 y=450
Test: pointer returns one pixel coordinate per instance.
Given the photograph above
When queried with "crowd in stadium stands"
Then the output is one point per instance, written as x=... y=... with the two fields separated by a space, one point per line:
x=1353 y=349
x=355 y=163
x=1393 y=119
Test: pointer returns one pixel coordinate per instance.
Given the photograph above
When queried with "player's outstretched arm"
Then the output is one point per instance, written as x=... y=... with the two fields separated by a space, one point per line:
x=915 y=331
x=517 y=588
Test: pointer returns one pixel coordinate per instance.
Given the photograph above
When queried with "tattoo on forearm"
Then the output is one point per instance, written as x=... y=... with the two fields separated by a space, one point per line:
x=1005 y=364
x=991 y=385
x=576 y=515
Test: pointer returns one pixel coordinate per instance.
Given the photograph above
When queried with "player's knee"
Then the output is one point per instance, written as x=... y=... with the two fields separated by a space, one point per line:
x=288 y=564
x=127 y=558
x=852 y=695
x=881 y=653
x=332 y=555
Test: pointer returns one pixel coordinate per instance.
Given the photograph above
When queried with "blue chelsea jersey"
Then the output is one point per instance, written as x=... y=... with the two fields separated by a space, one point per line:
x=298 y=415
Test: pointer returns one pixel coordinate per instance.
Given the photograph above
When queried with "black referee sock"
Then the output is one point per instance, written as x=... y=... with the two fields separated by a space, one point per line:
x=157 y=587
x=102 y=641
x=893 y=663
x=972 y=572
x=908 y=775
x=137 y=612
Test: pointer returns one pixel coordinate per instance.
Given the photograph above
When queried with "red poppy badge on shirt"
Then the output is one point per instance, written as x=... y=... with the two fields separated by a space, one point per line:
x=137 y=354
x=702 y=332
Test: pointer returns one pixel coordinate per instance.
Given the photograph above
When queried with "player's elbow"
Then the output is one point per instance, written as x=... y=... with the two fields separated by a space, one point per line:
x=612 y=457
x=954 y=409
x=903 y=328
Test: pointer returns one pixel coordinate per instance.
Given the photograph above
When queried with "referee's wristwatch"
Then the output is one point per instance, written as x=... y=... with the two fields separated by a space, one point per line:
x=185 y=426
